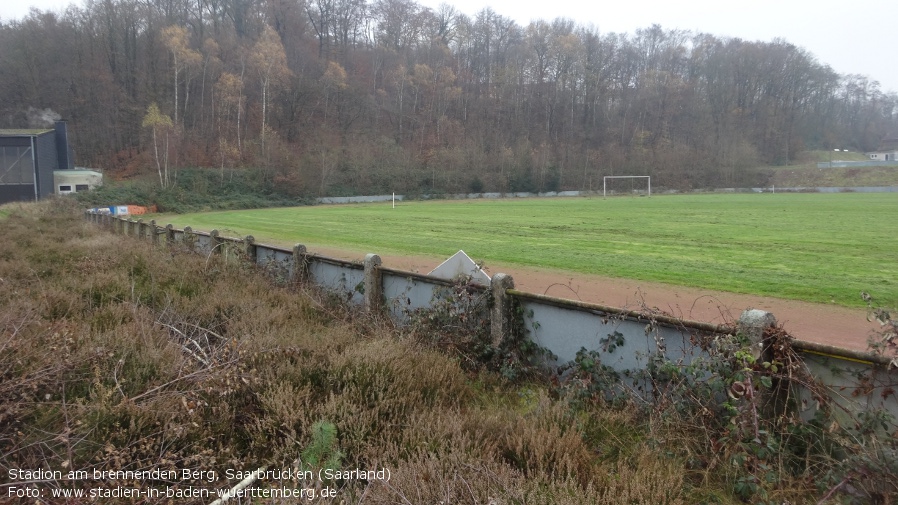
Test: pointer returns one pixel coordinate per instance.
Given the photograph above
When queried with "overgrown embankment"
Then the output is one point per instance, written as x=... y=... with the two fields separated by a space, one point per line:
x=196 y=190
x=119 y=356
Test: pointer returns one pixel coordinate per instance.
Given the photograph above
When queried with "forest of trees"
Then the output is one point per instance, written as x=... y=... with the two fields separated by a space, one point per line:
x=365 y=96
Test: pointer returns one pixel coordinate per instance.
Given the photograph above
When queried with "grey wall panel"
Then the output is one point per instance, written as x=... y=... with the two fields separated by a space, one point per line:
x=404 y=294
x=277 y=262
x=343 y=280
x=565 y=331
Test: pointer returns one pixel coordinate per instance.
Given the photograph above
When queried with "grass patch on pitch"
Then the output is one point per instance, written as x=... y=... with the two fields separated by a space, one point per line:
x=814 y=247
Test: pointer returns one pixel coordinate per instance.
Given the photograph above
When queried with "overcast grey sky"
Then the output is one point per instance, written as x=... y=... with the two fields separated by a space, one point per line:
x=853 y=37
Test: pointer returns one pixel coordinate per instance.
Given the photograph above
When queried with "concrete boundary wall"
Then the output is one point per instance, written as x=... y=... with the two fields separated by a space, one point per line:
x=851 y=164
x=399 y=199
x=857 y=381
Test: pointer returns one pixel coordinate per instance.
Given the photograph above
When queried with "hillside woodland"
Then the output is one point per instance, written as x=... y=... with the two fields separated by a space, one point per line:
x=356 y=96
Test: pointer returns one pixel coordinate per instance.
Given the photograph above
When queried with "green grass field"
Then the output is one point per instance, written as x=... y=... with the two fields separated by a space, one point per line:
x=814 y=247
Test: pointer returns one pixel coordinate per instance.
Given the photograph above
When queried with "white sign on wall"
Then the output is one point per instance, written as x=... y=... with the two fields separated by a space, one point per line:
x=460 y=264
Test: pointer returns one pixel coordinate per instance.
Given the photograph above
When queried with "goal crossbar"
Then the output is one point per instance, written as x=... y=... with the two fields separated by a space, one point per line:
x=605 y=181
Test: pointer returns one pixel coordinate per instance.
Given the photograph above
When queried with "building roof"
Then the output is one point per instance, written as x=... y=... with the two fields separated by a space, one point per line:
x=24 y=132
x=77 y=171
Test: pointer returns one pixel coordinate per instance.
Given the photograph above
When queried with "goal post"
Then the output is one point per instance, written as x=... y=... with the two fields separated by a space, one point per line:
x=605 y=182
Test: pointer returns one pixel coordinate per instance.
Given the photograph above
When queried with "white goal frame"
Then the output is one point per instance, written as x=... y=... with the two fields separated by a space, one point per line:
x=605 y=181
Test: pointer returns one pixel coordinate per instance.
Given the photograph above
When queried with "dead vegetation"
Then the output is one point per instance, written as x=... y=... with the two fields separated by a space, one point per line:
x=115 y=355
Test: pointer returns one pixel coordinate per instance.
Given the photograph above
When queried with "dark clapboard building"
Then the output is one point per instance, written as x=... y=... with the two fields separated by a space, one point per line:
x=28 y=158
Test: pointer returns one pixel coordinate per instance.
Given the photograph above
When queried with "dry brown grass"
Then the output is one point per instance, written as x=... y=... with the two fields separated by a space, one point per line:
x=118 y=355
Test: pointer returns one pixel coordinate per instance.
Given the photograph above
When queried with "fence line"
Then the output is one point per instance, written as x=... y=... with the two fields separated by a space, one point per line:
x=562 y=326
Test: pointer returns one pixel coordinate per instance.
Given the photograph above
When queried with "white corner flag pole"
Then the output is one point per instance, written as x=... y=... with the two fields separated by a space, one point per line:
x=394 y=200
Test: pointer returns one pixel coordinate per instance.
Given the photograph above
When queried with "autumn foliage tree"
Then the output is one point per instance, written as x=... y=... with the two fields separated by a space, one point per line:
x=159 y=124
x=184 y=59
x=270 y=63
x=383 y=95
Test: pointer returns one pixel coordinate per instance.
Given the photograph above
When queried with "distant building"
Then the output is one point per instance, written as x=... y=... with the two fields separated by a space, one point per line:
x=888 y=149
x=36 y=163
x=73 y=181
x=883 y=155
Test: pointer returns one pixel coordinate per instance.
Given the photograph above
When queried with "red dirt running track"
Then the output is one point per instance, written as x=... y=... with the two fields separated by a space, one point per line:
x=813 y=322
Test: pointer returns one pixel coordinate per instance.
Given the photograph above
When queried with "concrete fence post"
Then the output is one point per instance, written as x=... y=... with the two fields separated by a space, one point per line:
x=170 y=233
x=752 y=324
x=155 y=231
x=374 y=293
x=141 y=229
x=189 y=238
x=216 y=242
x=500 y=313
x=250 y=249
x=301 y=271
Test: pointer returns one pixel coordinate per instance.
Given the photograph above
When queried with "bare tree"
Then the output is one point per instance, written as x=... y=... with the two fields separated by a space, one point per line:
x=270 y=62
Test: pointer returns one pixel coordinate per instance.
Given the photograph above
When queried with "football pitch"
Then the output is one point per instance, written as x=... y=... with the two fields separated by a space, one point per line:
x=814 y=247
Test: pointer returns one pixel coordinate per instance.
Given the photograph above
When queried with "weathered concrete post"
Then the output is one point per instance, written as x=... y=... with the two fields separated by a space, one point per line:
x=155 y=231
x=170 y=233
x=216 y=242
x=301 y=271
x=189 y=238
x=752 y=324
x=249 y=248
x=374 y=293
x=141 y=229
x=500 y=313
